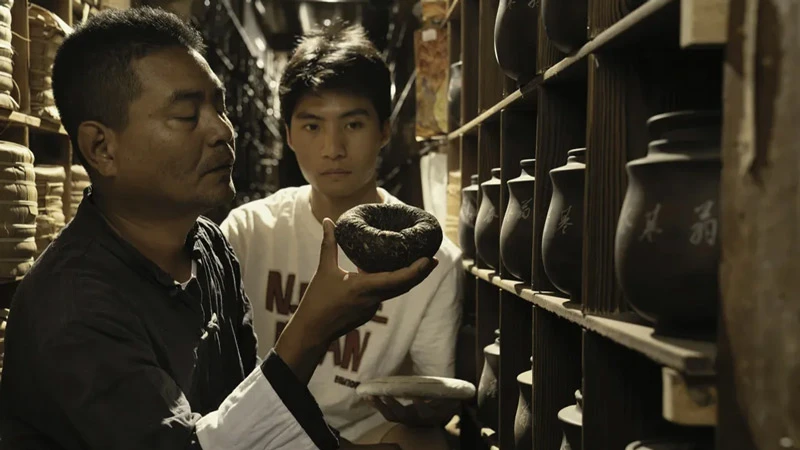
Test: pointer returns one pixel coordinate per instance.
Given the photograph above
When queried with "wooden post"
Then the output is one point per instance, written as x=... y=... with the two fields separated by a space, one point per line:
x=760 y=386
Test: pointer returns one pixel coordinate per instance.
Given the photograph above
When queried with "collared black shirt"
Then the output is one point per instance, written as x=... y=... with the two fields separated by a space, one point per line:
x=104 y=350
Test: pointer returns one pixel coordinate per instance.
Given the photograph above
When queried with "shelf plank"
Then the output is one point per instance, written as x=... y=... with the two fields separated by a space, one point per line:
x=13 y=117
x=484 y=116
x=19 y=119
x=686 y=356
x=47 y=126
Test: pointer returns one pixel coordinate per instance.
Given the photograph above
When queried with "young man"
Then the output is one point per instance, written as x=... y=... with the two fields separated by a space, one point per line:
x=335 y=100
x=133 y=330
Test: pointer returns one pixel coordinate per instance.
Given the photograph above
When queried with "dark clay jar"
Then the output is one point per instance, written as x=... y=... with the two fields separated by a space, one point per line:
x=571 y=419
x=562 y=240
x=466 y=218
x=454 y=96
x=669 y=444
x=516 y=232
x=565 y=23
x=667 y=241
x=523 y=420
x=488 y=407
x=515 y=38
x=487 y=223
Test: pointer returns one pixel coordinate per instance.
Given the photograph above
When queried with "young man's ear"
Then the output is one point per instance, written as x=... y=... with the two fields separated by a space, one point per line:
x=98 y=145
x=386 y=133
x=288 y=136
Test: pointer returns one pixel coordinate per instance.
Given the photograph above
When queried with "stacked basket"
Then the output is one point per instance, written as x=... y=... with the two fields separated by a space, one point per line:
x=6 y=58
x=47 y=32
x=18 y=210
x=50 y=190
x=80 y=181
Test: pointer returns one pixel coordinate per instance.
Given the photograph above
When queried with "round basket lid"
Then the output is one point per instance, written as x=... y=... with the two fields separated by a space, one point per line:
x=49 y=173
x=12 y=153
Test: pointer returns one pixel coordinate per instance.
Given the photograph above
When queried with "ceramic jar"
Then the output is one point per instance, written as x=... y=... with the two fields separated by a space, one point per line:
x=488 y=389
x=466 y=218
x=454 y=96
x=667 y=246
x=515 y=38
x=670 y=444
x=487 y=223
x=516 y=232
x=571 y=419
x=565 y=23
x=562 y=240
x=523 y=420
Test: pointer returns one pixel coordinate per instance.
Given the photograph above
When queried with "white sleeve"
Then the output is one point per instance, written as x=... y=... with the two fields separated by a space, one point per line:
x=434 y=346
x=235 y=228
x=269 y=410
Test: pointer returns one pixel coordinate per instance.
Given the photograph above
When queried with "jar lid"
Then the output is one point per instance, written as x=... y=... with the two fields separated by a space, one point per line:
x=577 y=155
x=691 y=125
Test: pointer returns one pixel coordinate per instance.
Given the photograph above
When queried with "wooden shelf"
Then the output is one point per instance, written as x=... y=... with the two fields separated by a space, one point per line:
x=643 y=20
x=686 y=356
x=16 y=118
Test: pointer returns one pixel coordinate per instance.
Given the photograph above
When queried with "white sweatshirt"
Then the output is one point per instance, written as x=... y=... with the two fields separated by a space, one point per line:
x=277 y=241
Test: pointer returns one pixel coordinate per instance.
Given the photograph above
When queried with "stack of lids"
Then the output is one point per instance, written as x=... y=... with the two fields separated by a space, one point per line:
x=18 y=210
x=6 y=58
x=47 y=32
x=50 y=191
x=80 y=181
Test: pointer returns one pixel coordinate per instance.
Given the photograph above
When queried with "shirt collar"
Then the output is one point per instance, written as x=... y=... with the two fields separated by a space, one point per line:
x=93 y=221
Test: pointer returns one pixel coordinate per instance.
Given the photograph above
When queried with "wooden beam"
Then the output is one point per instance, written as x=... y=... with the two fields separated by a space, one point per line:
x=687 y=400
x=704 y=22
x=760 y=193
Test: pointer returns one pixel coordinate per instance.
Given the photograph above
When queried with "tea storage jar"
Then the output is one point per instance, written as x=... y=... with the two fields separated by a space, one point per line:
x=466 y=218
x=454 y=95
x=516 y=37
x=488 y=389
x=487 y=223
x=562 y=239
x=516 y=231
x=571 y=419
x=667 y=242
x=565 y=23
x=523 y=419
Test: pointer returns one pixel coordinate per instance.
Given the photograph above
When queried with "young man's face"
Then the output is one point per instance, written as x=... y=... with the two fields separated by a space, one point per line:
x=336 y=137
x=176 y=151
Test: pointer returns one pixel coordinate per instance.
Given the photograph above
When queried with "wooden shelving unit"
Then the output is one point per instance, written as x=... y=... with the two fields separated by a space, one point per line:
x=691 y=357
x=635 y=383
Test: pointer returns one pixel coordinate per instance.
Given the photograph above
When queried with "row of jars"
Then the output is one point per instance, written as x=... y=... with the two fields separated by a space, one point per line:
x=516 y=37
x=570 y=416
x=666 y=245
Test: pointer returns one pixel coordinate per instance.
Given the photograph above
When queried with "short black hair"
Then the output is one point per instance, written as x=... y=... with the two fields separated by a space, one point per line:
x=92 y=74
x=339 y=58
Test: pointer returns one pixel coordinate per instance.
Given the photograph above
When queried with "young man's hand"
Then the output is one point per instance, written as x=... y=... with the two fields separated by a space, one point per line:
x=336 y=302
x=420 y=413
